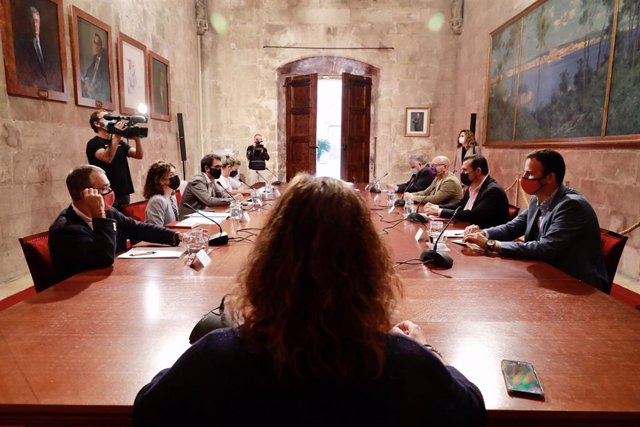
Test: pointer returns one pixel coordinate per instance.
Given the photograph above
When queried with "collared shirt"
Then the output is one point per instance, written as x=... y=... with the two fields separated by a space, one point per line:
x=544 y=208
x=473 y=194
x=85 y=218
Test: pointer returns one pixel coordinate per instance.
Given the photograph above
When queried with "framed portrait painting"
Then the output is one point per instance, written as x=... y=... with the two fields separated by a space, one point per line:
x=160 y=87
x=417 y=121
x=92 y=61
x=132 y=75
x=35 y=57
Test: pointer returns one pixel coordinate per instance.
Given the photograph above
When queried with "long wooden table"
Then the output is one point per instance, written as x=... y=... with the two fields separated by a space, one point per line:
x=77 y=354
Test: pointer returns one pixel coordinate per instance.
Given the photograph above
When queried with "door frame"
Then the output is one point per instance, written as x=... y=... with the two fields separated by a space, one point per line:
x=323 y=66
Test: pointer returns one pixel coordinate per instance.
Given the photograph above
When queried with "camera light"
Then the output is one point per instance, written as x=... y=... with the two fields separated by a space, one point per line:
x=142 y=108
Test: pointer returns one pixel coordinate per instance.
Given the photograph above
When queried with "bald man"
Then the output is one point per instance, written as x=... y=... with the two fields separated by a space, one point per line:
x=445 y=188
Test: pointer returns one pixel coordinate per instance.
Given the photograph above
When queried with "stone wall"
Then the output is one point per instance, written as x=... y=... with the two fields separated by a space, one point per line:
x=240 y=75
x=41 y=141
x=609 y=178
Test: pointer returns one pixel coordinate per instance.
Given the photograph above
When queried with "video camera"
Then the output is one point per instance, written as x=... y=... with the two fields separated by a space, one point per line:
x=131 y=130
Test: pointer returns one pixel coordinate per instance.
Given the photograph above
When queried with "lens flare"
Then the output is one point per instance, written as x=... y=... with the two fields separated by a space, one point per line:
x=142 y=108
x=436 y=22
x=219 y=23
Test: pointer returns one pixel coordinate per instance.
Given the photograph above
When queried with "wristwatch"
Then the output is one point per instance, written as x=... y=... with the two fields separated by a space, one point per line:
x=490 y=245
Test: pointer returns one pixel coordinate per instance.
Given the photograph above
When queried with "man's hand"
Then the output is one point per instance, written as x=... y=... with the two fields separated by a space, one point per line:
x=238 y=197
x=472 y=229
x=94 y=202
x=477 y=238
x=431 y=209
x=410 y=329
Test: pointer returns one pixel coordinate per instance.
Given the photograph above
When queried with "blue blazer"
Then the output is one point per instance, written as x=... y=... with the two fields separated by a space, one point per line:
x=569 y=239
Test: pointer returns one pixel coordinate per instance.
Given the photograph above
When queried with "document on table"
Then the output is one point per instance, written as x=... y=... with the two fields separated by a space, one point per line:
x=449 y=234
x=194 y=219
x=143 y=252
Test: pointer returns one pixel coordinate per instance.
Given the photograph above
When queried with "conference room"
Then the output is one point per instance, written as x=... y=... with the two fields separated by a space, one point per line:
x=349 y=90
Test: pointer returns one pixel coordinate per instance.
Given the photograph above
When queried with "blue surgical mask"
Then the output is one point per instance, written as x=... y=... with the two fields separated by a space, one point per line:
x=414 y=171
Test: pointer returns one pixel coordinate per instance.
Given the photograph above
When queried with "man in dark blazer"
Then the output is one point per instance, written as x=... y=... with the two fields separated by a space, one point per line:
x=202 y=190
x=89 y=233
x=422 y=175
x=96 y=83
x=484 y=201
x=560 y=227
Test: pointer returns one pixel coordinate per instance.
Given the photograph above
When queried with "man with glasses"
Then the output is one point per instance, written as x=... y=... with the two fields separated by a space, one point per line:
x=202 y=190
x=89 y=233
x=422 y=175
x=559 y=227
x=445 y=188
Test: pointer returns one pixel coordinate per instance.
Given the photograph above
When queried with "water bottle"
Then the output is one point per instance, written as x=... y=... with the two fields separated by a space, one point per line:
x=235 y=209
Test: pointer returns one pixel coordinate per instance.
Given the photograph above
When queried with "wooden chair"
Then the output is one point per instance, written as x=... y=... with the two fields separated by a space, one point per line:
x=36 y=252
x=513 y=211
x=612 y=245
x=136 y=210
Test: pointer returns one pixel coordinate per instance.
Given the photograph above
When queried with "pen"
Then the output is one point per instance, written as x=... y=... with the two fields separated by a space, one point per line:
x=143 y=253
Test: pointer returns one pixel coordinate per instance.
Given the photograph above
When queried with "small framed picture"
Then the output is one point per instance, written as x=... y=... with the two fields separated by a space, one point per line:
x=132 y=75
x=417 y=121
x=92 y=57
x=35 y=58
x=160 y=87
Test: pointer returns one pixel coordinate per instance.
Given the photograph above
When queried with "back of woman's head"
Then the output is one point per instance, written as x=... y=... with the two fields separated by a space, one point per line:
x=318 y=293
x=156 y=172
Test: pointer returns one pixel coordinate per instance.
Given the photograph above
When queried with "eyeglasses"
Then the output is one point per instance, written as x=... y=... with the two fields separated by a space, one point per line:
x=105 y=190
x=439 y=164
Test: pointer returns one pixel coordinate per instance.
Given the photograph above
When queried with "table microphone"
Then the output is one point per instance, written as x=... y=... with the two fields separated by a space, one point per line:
x=218 y=239
x=225 y=190
x=432 y=256
x=416 y=217
x=277 y=181
x=374 y=188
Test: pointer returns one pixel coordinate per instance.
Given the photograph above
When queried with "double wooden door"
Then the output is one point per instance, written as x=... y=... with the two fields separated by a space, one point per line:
x=301 y=112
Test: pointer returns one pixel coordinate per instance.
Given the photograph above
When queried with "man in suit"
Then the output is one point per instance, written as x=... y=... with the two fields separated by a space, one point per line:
x=37 y=57
x=96 y=83
x=484 y=202
x=560 y=227
x=445 y=188
x=422 y=175
x=202 y=190
x=89 y=233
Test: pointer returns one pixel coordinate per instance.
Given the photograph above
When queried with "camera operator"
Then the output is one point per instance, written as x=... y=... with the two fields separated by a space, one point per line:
x=109 y=151
x=257 y=154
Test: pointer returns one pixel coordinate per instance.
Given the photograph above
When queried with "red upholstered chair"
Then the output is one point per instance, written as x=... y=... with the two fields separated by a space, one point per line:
x=135 y=210
x=36 y=252
x=178 y=198
x=513 y=211
x=612 y=245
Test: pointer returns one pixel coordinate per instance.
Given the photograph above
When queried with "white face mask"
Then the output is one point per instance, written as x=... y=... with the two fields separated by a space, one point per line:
x=461 y=140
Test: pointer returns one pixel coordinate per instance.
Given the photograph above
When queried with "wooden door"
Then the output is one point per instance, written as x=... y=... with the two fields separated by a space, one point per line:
x=301 y=94
x=356 y=123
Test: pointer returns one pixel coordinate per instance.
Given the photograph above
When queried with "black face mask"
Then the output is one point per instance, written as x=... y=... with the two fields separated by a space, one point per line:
x=233 y=174
x=464 y=178
x=174 y=182
x=215 y=172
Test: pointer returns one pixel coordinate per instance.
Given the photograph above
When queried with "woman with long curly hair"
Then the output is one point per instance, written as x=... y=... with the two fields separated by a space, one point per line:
x=159 y=189
x=466 y=147
x=315 y=343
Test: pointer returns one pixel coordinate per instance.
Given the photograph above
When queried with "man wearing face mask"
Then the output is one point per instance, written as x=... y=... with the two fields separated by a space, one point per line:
x=484 y=202
x=422 y=175
x=110 y=153
x=89 y=233
x=202 y=191
x=445 y=188
x=257 y=154
x=559 y=227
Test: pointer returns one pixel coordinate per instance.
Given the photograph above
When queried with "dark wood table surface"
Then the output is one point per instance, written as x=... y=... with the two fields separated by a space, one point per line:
x=77 y=354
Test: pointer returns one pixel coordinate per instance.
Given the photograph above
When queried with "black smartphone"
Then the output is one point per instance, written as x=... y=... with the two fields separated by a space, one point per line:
x=521 y=377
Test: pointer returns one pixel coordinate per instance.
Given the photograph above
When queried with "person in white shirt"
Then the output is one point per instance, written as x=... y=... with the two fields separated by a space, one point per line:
x=228 y=177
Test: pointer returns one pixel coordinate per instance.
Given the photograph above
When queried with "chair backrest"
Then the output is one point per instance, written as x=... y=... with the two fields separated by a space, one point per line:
x=178 y=198
x=513 y=211
x=136 y=210
x=36 y=252
x=612 y=245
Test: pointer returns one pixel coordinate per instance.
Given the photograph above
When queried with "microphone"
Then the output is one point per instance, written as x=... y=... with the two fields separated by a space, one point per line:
x=410 y=183
x=216 y=239
x=416 y=217
x=374 y=188
x=225 y=190
x=438 y=259
x=277 y=181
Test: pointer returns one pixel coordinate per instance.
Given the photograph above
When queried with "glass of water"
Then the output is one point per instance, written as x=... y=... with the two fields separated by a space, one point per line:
x=391 y=197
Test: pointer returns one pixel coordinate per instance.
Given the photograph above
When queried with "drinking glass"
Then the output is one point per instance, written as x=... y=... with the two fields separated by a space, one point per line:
x=390 y=197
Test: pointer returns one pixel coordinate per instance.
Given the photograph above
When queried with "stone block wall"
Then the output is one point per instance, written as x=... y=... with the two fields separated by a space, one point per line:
x=41 y=141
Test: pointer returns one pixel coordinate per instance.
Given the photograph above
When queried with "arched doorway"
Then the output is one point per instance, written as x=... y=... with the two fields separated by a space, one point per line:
x=296 y=115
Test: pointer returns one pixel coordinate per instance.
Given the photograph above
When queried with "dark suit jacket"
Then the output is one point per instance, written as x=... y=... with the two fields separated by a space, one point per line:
x=99 y=88
x=569 y=238
x=490 y=208
x=76 y=247
x=419 y=182
x=28 y=68
x=198 y=195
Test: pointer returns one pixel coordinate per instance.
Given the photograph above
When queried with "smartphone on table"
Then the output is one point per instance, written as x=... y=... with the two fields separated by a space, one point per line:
x=521 y=378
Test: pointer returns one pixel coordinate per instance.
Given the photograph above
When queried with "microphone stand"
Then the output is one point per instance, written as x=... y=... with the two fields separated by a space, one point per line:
x=375 y=187
x=438 y=259
x=416 y=217
x=401 y=202
x=216 y=239
x=277 y=181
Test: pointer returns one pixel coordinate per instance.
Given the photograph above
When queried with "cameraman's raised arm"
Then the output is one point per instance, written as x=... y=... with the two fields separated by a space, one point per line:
x=106 y=155
x=136 y=152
